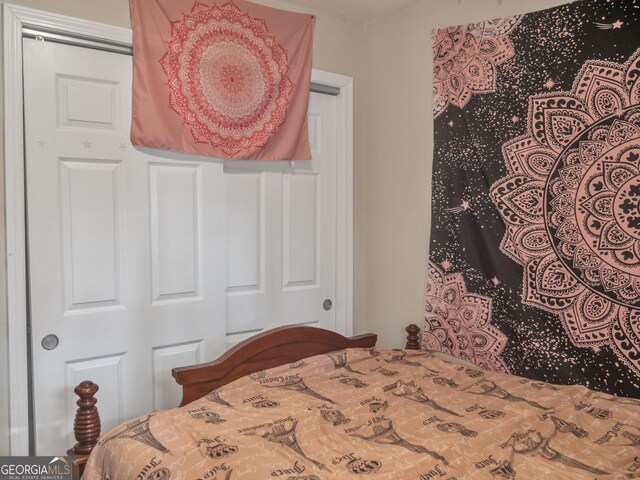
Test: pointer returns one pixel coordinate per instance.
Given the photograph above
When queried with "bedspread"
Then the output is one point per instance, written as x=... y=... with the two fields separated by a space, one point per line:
x=380 y=414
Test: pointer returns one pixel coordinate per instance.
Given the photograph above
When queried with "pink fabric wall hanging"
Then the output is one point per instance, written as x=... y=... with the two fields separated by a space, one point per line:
x=228 y=80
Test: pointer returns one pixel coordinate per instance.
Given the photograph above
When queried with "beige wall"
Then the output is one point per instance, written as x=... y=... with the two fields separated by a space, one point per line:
x=398 y=152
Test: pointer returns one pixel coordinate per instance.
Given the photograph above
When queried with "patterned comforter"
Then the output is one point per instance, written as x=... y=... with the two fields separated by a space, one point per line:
x=380 y=414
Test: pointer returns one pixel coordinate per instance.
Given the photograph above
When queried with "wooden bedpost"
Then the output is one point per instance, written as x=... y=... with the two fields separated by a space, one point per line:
x=413 y=342
x=86 y=426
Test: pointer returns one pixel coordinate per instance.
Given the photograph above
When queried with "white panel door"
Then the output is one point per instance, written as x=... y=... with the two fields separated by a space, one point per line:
x=126 y=247
x=281 y=227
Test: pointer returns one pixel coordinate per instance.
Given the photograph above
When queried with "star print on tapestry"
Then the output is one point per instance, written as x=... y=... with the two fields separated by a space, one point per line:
x=229 y=80
x=534 y=265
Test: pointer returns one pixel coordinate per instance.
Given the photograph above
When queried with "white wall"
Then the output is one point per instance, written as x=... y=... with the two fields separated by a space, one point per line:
x=399 y=148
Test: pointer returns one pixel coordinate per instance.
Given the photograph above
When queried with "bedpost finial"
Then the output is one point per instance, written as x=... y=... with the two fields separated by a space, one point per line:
x=86 y=426
x=412 y=338
x=86 y=389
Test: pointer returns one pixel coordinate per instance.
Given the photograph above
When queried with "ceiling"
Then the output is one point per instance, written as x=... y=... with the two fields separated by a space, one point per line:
x=362 y=11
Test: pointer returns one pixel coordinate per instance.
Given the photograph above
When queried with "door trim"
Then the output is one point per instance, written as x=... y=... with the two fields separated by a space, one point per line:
x=15 y=18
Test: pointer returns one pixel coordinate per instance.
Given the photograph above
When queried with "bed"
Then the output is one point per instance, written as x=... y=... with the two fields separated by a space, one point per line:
x=300 y=403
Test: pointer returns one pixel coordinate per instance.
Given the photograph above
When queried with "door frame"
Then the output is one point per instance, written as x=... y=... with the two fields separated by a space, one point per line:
x=15 y=18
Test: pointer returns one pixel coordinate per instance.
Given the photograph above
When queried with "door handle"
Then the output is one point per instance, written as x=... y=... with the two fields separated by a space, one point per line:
x=50 y=342
x=327 y=304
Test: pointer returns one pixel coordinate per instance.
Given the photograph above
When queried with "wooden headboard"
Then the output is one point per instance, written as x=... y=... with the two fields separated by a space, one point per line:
x=266 y=350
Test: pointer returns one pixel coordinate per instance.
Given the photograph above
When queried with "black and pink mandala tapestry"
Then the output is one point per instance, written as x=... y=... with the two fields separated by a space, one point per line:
x=534 y=265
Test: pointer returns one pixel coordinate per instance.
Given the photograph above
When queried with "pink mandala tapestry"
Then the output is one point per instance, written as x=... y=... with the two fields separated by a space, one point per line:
x=458 y=322
x=228 y=80
x=535 y=245
x=466 y=60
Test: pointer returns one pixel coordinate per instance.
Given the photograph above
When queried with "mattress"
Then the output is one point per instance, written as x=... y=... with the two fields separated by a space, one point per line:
x=381 y=414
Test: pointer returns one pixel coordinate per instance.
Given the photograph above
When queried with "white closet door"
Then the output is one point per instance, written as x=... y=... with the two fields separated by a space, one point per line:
x=281 y=227
x=126 y=248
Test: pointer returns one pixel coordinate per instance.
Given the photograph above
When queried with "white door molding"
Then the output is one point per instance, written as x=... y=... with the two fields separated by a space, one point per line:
x=15 y=18
x=344 y=202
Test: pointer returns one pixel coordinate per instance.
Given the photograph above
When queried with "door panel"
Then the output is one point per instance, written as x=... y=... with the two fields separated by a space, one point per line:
x=92 y=220
x=176 y=203
x=107 y=372
x=281 y=226
x=164 y=359
x=118 y=267
x=300 y=242
x=245 y=230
